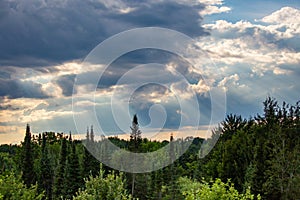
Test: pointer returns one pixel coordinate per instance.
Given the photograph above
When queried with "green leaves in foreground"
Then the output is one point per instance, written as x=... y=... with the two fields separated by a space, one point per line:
x=194 y=190
x=11 y=187
x=111 y=187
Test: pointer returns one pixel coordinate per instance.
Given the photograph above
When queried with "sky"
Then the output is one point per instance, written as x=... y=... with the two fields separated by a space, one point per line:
x=46 y=76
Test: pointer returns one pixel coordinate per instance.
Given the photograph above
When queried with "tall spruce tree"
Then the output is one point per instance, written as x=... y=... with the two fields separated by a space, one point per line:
x=45 y=180
x=28 y=174
x=172 y=167
x=134 y=146
x=73 y=179
x=91 y=166
x=135 y=136
x=92 y=134
x=59 y=183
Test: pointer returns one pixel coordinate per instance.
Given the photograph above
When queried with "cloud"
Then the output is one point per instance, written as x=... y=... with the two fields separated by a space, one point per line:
x=66 y=83
x=255 y=59
x=43 y=43
x=279 y=71
x=286 y=15
x=213 y=7
x=201 y=87
x=209 y=10
x=232 y=79
x=169 y=14
x=18 y=89
x=212 y=2
x=260 y=47
x=39 y=33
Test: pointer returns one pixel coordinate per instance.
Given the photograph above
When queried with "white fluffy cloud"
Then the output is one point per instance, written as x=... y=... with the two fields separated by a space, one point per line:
x=262 y=47
x=255 y=59
x=286 y=15
x=213 y=7
x=211 y=2
x=249 y=56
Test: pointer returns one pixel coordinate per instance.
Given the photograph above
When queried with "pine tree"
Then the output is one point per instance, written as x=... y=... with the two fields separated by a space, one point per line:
x=135 y=136
x=92 y=134
x=91 y=166
x=134 y=145
x=87 y=135
x=156 y=184
x=172 y=167
x=45 y=180
x=28 y=174
x=73 y=179
x=59 y=178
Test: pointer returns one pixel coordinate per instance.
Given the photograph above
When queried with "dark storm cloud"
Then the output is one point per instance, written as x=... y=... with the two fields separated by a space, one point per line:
x=66 y=83
x=183 y=18
x=145 y=57
x=130 y=60
x=8 y=107
x=40 y=33
x=18 y=89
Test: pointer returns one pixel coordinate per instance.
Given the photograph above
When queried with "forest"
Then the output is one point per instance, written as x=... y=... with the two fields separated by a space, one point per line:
x=254 y=158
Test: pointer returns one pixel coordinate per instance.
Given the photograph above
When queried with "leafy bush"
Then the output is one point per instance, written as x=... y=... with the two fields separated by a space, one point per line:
x=11 y=187
x=111 y=187
x=214 y=190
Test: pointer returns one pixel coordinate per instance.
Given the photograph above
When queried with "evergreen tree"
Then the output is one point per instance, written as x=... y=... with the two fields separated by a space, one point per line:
x=134 y=144
x=156 y=185
x=59 y=183
x=28 y=174
x=90 y=163
x=135 y=136
x=73 y=179
x=45 y=180
x=172 y=168
x=92 y=134
x=87 y=137
x=231 y=125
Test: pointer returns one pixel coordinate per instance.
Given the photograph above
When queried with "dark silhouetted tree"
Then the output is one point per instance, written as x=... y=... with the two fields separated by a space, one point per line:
x=92 y=134
x=91 y=166
x=45 y=180
x=135 y=136
x=231 y=125
x=134 y=145
x=28 y=174
x=73 y=179
x=59 y=183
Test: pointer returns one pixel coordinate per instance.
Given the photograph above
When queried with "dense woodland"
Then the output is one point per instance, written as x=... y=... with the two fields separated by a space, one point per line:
x=256 y=158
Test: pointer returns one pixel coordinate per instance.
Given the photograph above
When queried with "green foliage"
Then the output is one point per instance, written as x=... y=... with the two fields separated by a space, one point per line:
x=258 y=156
x=73 y=179
x=214 y=190
x=262 y=154
x=7 y=163
x=111 y=187
x=28 y=174
x=90 y=163
x=135 y=136
x=45 y=179
x=231 y=125
x=59 y=177
x=12 y=187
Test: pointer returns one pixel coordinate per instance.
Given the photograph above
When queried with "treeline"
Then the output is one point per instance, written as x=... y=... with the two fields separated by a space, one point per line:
x=261 y=153
x=256 y=158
